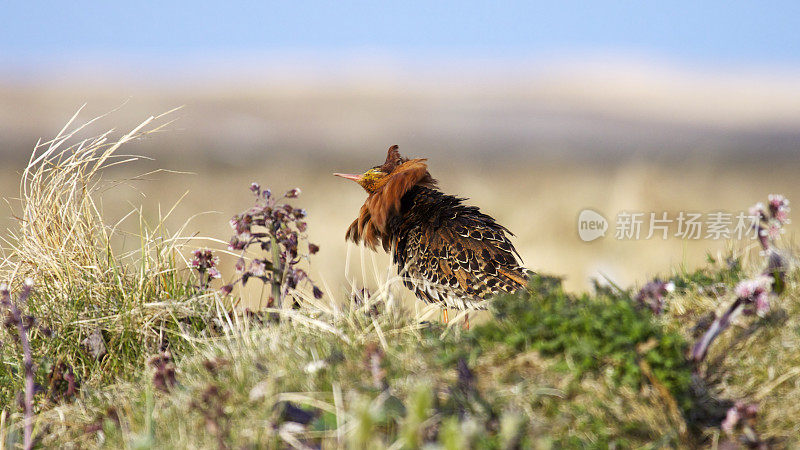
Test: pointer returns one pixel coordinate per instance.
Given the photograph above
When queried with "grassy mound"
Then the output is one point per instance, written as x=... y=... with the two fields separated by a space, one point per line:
x=373 y=377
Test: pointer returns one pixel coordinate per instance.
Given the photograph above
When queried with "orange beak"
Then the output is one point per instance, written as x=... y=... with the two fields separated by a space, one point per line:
x=349 y=176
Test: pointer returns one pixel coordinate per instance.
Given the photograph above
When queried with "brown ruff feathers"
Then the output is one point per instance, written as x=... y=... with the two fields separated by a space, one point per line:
x=370 y=226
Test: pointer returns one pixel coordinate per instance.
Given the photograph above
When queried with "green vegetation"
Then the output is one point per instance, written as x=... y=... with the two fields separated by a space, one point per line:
x=134 y=350
x=588 y=334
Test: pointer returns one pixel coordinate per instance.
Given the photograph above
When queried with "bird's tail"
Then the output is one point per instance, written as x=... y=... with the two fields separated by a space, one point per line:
x=517 y=280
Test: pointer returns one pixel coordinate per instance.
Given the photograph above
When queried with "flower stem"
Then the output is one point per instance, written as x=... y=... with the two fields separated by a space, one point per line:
x=277 y=279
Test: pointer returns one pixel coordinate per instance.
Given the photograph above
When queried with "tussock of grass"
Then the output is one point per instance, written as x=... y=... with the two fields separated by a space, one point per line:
x=136 y=300
x=548 y=369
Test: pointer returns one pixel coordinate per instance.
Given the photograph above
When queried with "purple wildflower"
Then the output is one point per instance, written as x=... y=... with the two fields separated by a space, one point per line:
x=749 y=293
x=739 y=414
x=276 y=229
x=779 y=205
x=204 y=259
x=205 y=262
x=756 y=292
x=771 y=219
x=164 y=372
x=241 y=224
x=258 y=268
x=652 y=295
x=773 y=232
x=731 y=420
x=236 y=244
x=758 y=210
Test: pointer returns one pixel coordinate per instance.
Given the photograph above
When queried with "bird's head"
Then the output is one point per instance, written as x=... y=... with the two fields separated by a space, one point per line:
x=371 y=180
x=377 y=177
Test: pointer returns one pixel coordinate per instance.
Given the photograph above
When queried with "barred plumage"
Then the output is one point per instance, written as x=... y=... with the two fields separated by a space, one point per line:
x=448 y=253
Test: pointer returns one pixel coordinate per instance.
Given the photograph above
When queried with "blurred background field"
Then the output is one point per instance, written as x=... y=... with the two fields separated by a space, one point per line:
x=533 y=113
x=532 y=156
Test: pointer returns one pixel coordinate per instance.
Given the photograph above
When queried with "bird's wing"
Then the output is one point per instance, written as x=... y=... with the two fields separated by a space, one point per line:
x=473 y=259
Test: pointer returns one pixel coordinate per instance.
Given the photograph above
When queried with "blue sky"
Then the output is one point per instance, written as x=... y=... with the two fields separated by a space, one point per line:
x=711 y=32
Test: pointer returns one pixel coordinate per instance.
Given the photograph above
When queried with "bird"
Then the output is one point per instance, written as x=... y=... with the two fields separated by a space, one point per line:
x=446 y=252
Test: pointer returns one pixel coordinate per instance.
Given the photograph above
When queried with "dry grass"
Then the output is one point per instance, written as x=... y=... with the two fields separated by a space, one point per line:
x=89 y=278
x=61 y=228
